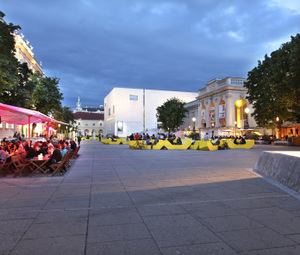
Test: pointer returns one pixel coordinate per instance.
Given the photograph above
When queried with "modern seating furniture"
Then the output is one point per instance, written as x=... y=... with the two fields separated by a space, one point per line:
x=248 y=145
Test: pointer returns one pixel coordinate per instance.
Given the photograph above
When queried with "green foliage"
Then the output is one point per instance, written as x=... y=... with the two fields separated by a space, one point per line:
x=194 y=135
x=8 y=62
x=274 y=85
x=46 y=96
x=171 y=114
x=20 y=93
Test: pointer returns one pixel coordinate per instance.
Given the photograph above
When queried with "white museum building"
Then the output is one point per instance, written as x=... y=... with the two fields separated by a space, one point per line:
x=128 y=110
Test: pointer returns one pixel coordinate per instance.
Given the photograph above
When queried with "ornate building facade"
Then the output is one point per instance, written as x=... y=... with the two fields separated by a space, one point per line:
x=24 y=53
x=221 y=106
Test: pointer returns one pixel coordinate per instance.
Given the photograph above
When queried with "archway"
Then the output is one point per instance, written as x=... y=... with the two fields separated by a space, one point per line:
x=240 y=113
x=212 y=114
x=203 y=116
x=222 y=115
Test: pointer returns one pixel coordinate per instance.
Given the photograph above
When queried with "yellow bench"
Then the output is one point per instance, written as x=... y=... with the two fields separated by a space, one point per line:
x=186 y=143
x=124 y=140
x=207 y=146
x=141 y=145
x=105 y=141
x=117 y=141
x=248 y=145
x=194 y=145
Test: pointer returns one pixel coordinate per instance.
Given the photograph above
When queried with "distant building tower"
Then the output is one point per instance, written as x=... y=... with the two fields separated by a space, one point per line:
x=79 y=108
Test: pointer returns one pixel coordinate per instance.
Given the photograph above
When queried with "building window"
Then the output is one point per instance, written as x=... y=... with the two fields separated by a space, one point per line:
x=133 y=97
x=113 y=109
x=108 y=111
x=93 y=124
x=100 y=124
x=78 y=123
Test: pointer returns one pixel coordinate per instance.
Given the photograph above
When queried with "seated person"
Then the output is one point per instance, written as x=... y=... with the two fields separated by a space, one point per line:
x=217 y=142
x=73 y=145
x=236 y=141
x=62 y=147
x=148 y=142
x=3 y=155
x=242 y=140
x=179 y=142
x=44 y=149
x=68 y=146
x=55 y=157
x=30 y=153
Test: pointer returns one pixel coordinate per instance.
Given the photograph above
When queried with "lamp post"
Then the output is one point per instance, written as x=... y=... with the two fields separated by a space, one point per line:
x=246 y=123
x=278 y=121
x=194 y=124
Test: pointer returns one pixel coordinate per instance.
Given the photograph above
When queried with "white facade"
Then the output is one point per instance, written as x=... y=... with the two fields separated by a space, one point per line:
x=128 y=111
x=89 y=124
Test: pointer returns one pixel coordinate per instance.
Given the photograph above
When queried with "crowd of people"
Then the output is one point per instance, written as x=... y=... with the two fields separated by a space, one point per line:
x=152 y=140
x=25 y=151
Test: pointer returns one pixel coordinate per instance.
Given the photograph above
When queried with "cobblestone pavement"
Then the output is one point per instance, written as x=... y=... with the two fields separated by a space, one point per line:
x=115 y=200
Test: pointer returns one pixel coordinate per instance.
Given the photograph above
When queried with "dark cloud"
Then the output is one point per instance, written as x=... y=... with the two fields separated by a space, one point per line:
x=93 y=46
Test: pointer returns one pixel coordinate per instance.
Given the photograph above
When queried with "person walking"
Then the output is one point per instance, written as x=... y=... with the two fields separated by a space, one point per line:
x=79 y=139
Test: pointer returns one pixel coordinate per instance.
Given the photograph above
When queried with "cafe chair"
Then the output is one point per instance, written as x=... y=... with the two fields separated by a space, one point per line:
x=20 y=167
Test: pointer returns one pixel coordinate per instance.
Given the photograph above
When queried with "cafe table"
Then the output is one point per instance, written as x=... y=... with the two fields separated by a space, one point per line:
x=38 y=164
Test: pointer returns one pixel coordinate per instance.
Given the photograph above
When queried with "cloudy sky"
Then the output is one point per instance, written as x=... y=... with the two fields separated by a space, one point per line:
x=96 y=45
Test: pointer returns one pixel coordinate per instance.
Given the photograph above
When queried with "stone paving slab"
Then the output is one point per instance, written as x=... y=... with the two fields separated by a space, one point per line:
x=115 y=200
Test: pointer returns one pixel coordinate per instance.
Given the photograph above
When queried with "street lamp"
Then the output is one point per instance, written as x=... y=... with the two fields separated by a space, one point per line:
x=246 y=124
x=278 y=127
x=194 y=123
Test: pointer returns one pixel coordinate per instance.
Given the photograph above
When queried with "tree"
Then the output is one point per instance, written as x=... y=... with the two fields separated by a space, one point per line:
x=171 y=114
x=64 y=114
x=8 y=62
x=46 y=96
x=274 y=86
x=20 y=93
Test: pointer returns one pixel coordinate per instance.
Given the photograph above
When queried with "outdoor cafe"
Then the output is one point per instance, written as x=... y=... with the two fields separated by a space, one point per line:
x=42 y=153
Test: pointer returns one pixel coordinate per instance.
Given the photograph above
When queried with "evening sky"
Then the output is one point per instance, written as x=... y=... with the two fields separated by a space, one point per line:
x=96 y=45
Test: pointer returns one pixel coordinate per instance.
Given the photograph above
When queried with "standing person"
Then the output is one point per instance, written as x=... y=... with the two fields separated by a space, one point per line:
x=206 y=137
x=79 y=139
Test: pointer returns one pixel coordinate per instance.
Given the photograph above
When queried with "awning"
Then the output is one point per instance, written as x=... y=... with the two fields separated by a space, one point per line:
x=257 y=133
x=19 y=116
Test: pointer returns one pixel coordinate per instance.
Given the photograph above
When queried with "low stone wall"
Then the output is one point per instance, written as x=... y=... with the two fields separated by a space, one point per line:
x=283 y=167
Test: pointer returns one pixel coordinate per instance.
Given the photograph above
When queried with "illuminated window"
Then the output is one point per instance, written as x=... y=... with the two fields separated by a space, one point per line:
x=133 y=97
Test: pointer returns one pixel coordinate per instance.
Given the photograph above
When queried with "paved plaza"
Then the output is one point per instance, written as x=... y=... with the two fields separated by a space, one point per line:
x=115 y=200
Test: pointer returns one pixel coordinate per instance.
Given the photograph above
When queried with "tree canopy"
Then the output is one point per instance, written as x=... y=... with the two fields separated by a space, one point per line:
x=8 y=62
x=171 y=114
x=274 y=85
